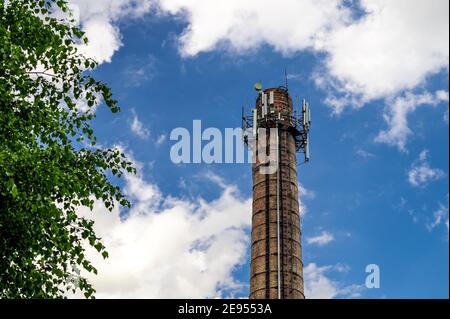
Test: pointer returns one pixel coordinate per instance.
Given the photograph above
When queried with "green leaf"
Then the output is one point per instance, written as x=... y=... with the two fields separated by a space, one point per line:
x=47 y=174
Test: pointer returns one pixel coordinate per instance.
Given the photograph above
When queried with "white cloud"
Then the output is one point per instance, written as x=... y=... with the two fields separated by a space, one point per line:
x=245 y=25
x=166 y=247
x=161 y=139
x=307 y=193
x=343 y=268
x=99 y=18
x=303 y=194
x=214 y=178
x=320 y=240
x=423 y=155
x=83 y=107
x=439 y=216
x=104 y=40
x=442 y=95
x=420 y=173
x=351 y=291
x=137 y=127
x=140 y=130
x=319 y=285
x=393 y=47
x=396 y=116
x=295 y=76
x=363 y=153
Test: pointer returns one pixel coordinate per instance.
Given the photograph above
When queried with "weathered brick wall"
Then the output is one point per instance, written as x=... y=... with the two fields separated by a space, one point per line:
x=264 y=252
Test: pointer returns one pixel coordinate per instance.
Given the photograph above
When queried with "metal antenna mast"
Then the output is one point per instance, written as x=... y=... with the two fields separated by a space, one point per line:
x=286 y=78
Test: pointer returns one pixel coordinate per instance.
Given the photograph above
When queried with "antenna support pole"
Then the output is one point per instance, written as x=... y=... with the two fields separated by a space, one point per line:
x=286 y=78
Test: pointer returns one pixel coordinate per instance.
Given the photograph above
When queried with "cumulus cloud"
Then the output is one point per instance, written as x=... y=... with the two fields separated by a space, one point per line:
x=244 y=25
x=167 y=247
x=171 y=247
x=396 y=116
x=99 y=18
x=393 y=47
x=320 y=285
x=322 y=239
x=104 y=40
x=241 y=25
x=420 y=173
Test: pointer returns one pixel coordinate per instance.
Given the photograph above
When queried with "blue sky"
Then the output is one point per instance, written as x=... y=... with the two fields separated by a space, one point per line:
x=368 y=199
